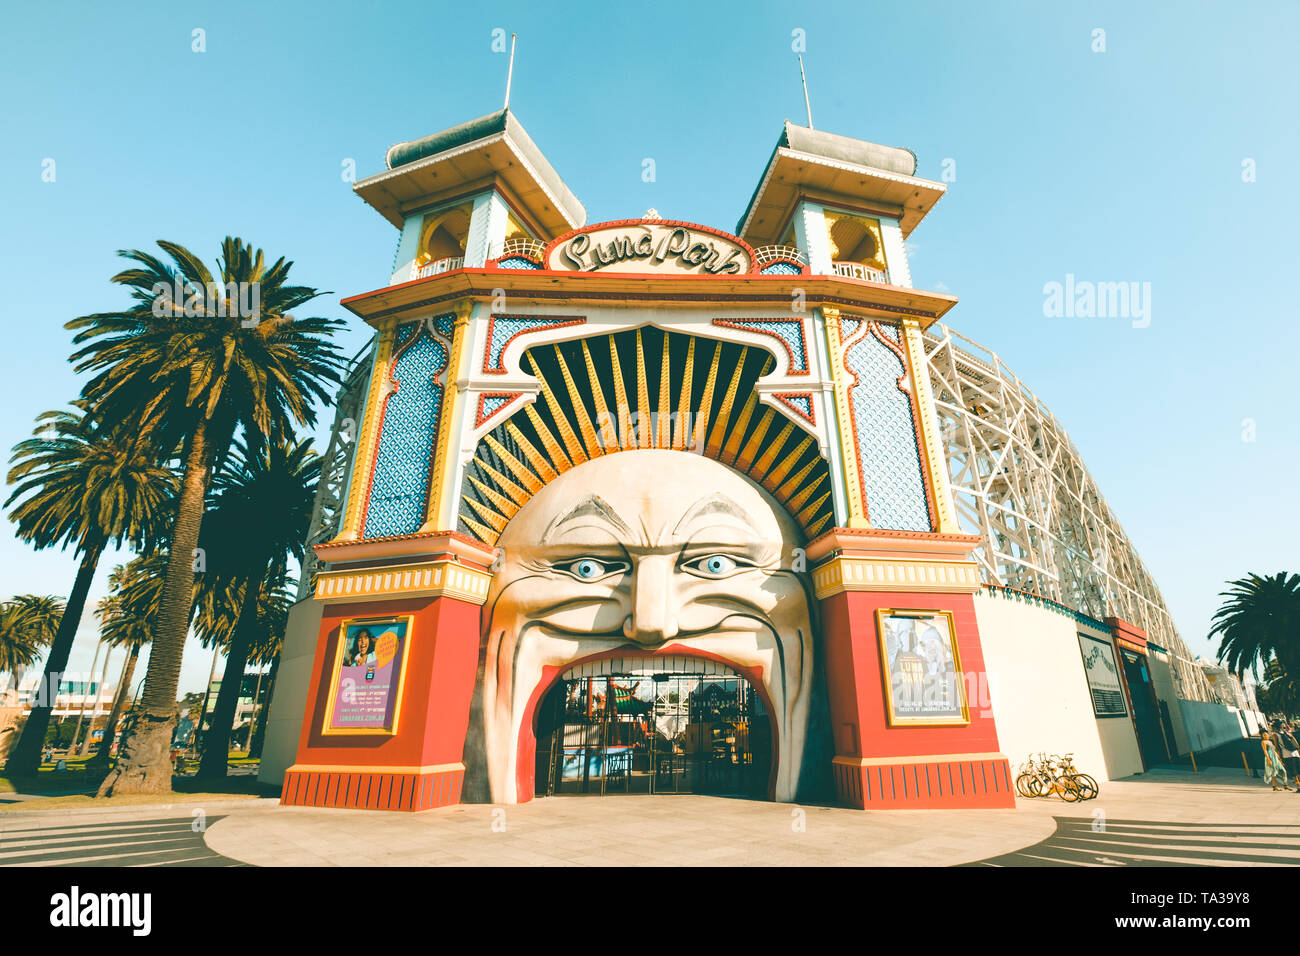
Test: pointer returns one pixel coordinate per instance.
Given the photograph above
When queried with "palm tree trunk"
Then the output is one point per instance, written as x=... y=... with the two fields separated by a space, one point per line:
x=110 y=728
x=252 y=718
x=255 y=742
x=201 y=735
x=99 y=696
x=26 y=757
x=144 y=764
x=85 y=689
x=216 y=743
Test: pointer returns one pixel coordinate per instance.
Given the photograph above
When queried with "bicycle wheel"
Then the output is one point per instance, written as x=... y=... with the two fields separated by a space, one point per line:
x=1025 y=785
x=1087 y=786
x=1068 y=788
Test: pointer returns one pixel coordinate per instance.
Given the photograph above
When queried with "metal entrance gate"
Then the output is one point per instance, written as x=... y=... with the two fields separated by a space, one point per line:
x=662 y=733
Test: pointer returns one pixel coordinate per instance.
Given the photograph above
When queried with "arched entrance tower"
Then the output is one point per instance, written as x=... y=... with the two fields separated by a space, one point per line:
x=650 y=442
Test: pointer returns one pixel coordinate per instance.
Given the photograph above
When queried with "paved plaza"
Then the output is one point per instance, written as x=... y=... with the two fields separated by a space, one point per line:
x=1162 y=818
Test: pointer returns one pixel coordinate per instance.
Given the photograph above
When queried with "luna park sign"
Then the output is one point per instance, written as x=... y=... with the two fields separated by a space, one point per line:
x=650 y=246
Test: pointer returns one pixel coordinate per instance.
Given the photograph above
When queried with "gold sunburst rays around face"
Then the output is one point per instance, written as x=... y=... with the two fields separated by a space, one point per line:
x=643 y=388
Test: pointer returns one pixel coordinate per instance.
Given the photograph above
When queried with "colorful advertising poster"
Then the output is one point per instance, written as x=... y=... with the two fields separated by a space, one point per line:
x=367 y=687
x=923 y=678
x=1103 y=677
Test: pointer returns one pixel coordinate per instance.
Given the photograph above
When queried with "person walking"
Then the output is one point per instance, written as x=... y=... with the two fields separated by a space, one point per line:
x=1272 y=761
x=1289 y=744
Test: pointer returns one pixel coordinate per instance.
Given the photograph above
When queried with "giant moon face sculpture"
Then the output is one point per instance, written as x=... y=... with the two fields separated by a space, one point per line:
x=649 y=552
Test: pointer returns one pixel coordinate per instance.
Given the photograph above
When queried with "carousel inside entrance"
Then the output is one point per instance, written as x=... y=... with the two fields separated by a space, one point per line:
x=683 y=726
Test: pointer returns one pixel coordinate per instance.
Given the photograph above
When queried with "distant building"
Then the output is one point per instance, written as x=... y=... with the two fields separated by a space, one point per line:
x=252 y=691
x=75 y=697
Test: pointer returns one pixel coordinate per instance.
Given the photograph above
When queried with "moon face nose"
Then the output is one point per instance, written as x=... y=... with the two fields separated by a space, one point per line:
x=653 y=620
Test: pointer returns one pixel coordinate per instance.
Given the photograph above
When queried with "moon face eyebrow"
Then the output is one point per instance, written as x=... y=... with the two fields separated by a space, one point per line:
x=592 y=506
x=714 y=504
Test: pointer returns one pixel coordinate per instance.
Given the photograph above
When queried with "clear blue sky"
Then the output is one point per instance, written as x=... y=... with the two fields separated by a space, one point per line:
x=1122 y=165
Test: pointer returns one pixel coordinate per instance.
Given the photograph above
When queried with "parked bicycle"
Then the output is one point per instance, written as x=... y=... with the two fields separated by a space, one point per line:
x=1052 y=774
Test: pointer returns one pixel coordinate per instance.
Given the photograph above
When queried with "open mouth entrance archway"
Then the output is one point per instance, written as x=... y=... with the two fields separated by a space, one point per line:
x=669 y=725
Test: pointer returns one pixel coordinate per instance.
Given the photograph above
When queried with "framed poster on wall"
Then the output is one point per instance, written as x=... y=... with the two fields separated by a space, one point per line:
x=1103 y=677
x=369 y=670
x=922 y=666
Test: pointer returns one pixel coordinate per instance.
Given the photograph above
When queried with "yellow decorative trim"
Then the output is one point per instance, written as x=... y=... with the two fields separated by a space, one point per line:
x=870 y=225
x=368 y=438
x=620 y=395
x=643 y=437
x=848 y=441
x=334 y=768
x=517 y=469
x=590 y=439
x=428 y=579
x=772 y=480
x=682 y=434
x=663 y=431
x=441 y=475
x=924 y=758
x=732 y=448
x=572 y=446
x=737 y=430
x=936 y=463
x=845 y=573
x=723 y=421
x=607 y=423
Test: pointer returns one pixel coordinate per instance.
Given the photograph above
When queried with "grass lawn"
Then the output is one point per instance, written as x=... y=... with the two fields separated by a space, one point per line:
x=49 y=780
x=86 y=801
x=75 y=787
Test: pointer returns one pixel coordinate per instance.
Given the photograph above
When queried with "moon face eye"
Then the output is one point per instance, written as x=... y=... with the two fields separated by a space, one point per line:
x=714 y=565
x=590 y=569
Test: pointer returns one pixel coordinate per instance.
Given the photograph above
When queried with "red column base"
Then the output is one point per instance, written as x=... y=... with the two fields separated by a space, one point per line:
x=956 y=781
x=420 y=788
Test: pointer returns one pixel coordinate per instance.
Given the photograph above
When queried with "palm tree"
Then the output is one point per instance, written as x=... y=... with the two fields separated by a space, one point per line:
x=1259 y=623
x=265 y=648
x=85 y=692
x=195 y=373
x=87 y=481
x=28 y=624
x=127 y=618
x=1281 y=695
x=226 y=617
x=260 y=514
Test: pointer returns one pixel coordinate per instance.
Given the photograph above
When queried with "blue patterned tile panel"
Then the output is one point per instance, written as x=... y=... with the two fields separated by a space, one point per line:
x=889 y=460
x=788 y=331
x=489 y=405
x=517 y=262
x=503 y=328
x=800 y=402
x=399 y=486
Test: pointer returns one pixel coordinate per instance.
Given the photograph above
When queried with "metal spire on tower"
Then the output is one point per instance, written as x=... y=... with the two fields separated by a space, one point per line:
x=510 y=71
x=803 y=79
